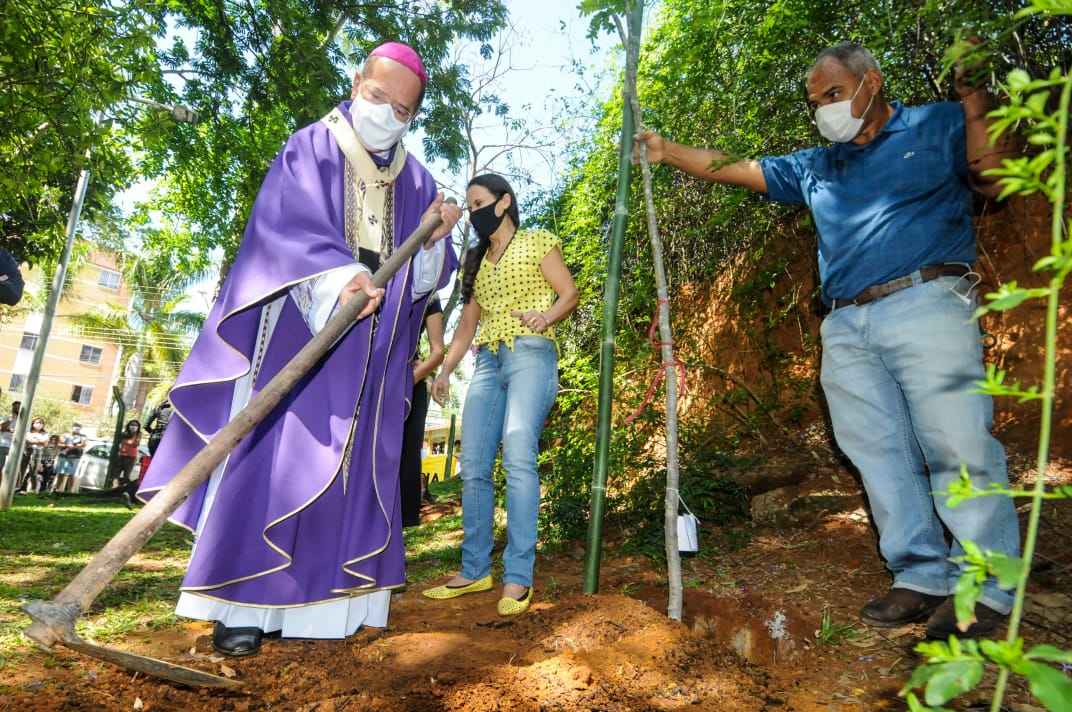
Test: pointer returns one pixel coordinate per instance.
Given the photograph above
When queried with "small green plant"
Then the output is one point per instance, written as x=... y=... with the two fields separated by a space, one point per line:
x=831 y=633
x=955 y=667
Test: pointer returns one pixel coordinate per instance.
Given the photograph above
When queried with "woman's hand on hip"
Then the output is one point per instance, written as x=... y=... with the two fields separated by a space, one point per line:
x=533 y=319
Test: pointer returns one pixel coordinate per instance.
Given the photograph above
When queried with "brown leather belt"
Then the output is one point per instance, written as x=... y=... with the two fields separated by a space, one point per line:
x=885 y=289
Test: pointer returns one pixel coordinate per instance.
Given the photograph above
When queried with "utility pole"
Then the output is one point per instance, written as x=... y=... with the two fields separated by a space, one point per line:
x=180 y=114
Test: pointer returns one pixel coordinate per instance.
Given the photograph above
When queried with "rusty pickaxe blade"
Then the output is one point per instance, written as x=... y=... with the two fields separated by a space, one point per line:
x=49 y=617
x=53 y=621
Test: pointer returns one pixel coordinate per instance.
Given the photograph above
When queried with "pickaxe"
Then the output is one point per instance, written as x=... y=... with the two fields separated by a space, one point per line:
x=53 y=621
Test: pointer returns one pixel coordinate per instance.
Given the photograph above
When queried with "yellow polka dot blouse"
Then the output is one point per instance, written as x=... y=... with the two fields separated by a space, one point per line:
x=514 y=283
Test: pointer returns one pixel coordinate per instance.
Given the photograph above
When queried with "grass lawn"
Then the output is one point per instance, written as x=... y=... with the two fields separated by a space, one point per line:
x=45 y=541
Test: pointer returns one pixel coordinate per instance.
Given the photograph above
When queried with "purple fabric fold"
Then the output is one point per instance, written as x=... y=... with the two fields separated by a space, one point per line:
x=287 y=526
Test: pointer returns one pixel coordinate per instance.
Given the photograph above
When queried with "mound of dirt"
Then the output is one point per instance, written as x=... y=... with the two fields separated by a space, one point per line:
x=579 y=653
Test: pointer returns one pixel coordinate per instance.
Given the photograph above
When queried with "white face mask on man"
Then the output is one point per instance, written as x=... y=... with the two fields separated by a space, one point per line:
x=836 y=122
x=376 y=124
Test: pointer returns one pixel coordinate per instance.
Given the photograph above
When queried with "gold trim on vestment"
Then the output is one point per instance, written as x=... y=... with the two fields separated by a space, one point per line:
x=375 y=438
x=292 y=605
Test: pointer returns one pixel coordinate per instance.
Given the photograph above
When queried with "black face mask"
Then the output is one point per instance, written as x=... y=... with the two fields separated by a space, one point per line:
x=485 y=221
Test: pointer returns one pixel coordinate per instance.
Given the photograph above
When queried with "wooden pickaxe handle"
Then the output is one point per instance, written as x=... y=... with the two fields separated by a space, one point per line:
x=79 y=594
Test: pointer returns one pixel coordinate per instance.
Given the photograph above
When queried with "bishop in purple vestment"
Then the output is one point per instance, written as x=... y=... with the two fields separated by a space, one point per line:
x=299 y=530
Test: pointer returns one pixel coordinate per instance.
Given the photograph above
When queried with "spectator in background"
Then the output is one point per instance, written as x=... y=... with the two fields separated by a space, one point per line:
x=47 y=470
x=73 y=445
x=10 y=280
x=7 y=431
x=36 y=440
x=157 y=424
x=128 y=457
x=5 y=442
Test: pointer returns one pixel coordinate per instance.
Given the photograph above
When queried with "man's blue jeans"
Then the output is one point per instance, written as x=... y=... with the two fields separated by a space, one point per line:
x=508 y=400
x=899 y=377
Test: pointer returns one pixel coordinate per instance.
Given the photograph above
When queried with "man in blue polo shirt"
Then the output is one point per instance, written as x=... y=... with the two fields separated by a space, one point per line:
x=891 y=198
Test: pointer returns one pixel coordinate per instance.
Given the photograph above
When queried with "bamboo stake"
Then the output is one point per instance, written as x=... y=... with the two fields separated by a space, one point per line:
x=606 y=353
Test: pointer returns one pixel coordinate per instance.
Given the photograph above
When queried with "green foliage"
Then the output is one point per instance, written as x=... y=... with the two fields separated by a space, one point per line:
x=831 y=633
x=65 y=69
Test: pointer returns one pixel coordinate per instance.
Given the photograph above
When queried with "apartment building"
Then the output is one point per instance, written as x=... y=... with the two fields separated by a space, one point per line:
x=77 y=370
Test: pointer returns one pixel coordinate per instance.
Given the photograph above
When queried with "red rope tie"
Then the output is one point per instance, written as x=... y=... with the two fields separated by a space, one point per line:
x=660 y=375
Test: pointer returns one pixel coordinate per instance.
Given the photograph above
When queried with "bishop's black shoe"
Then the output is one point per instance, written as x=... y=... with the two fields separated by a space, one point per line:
x=236 y=642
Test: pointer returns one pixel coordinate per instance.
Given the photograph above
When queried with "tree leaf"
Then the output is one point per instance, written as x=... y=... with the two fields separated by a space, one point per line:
x=1052 y=687
x=953 y=679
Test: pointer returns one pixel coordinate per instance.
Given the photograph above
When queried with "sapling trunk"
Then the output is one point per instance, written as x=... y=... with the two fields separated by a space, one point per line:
x=631 y=40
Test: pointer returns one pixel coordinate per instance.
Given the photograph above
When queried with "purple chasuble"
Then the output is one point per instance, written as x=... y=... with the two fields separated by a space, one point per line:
x=287 y=527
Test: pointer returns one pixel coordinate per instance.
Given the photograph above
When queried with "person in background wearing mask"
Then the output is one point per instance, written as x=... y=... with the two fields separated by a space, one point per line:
x=891 y=199
x=36 y=440
x=128 y=457
x=298 y=532
x=515 y=287
x=73 y=444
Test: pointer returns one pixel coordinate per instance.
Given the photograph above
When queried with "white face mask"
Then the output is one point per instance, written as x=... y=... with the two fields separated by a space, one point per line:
x=836 y=122
x=376 y=124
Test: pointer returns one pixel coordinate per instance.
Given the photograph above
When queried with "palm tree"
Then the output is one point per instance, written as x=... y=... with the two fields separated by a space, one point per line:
x=154 y=332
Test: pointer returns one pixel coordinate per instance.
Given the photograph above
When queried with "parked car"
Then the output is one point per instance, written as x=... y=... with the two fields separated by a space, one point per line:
x=92 y=470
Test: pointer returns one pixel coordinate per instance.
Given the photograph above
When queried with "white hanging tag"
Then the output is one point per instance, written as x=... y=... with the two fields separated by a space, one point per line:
x=688 y=540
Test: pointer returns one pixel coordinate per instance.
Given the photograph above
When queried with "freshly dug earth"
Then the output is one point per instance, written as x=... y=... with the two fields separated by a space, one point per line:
x=579 y=653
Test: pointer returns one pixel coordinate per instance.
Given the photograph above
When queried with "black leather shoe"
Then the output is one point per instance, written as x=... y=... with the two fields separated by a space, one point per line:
x=236 y=642
x=943 y=622
x=898 y=607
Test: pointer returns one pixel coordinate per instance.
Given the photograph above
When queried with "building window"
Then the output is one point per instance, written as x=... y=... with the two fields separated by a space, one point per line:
x=91 y=355
x=29 y=341
x=18 y=381
x=109 y=279
x=82 y=394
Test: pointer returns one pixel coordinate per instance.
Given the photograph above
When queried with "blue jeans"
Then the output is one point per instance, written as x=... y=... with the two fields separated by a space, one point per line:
x=899 y=377
x=508 y=400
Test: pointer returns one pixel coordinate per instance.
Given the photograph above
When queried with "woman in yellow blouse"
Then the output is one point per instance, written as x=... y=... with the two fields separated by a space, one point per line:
x=515 y=287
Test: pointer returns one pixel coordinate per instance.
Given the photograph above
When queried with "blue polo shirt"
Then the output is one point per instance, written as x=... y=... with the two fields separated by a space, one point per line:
x=889 y=207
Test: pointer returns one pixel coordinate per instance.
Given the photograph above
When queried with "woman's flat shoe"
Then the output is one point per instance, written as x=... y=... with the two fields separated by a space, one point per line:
x=236 y=642
x=514 y=607
x=444 y=592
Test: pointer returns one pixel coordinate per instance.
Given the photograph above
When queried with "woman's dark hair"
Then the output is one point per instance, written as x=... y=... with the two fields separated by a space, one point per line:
x=474 y=256
x=133 y=422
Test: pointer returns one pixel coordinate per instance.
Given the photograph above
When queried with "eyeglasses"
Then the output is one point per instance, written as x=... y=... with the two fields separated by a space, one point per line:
x=378 y=96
